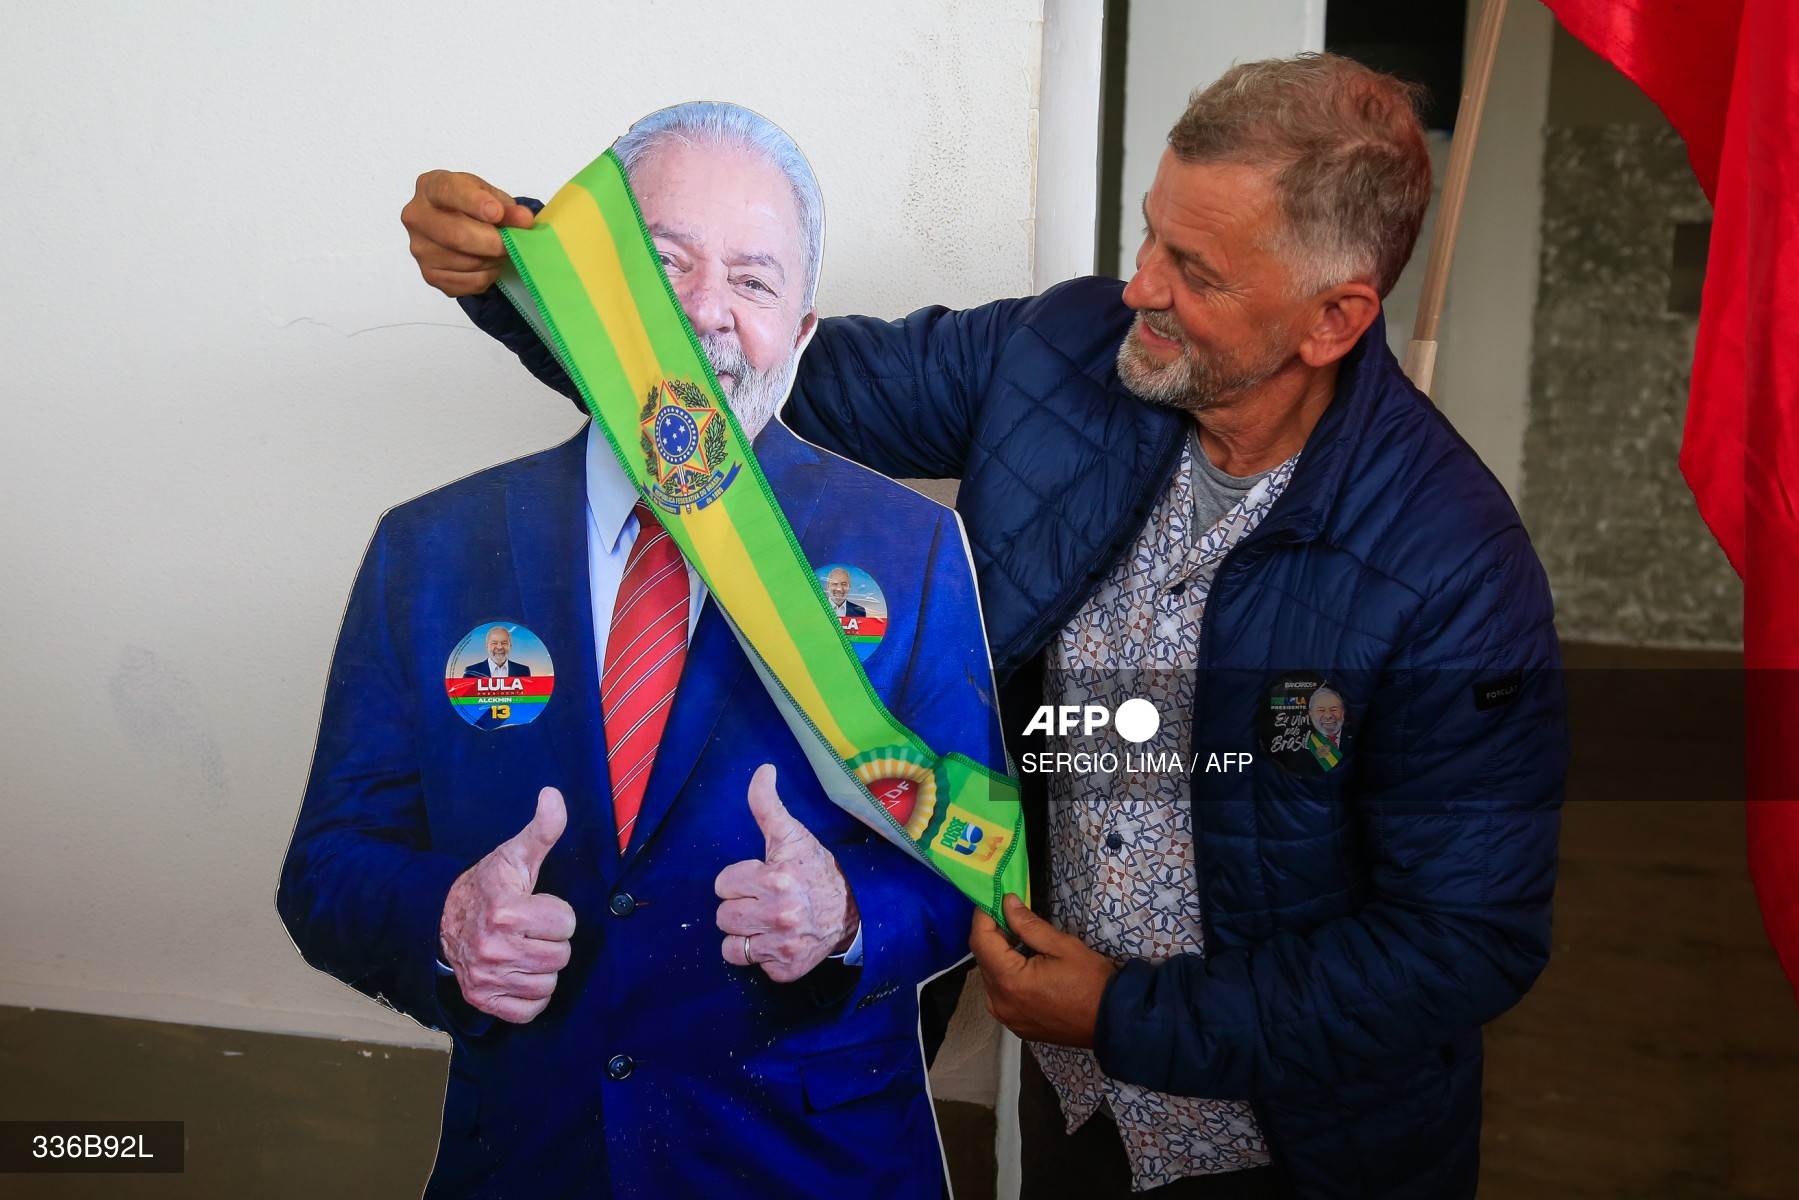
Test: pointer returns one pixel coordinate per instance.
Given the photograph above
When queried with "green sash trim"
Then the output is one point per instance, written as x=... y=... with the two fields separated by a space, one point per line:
x=591 y=283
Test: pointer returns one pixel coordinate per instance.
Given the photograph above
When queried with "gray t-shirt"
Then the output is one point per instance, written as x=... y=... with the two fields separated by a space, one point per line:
x=1215 y=492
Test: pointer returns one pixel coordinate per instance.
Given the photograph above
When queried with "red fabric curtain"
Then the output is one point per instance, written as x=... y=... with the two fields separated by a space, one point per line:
x=1726 y=74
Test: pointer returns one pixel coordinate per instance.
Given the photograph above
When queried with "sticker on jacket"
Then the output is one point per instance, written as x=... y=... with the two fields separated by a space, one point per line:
x=500 y=675
x=1304 y=724
x=858 y=603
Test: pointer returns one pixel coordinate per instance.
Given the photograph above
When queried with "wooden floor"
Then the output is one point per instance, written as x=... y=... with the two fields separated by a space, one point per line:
x=1657 y=1058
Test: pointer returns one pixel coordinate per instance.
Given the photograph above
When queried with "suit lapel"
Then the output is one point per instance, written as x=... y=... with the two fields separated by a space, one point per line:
x=716 y=667
x=546 y=516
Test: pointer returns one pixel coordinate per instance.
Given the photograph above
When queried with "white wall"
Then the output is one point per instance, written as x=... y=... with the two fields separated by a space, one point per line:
x=1174 y=46
x=1483 y=362
x=1067 y=198
x=1484 y=341
x=220 y=367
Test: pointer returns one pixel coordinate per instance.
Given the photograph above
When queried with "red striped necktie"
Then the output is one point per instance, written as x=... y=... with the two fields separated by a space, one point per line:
x=645 y=650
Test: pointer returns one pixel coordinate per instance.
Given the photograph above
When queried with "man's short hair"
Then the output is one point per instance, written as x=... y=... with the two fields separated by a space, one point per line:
x=1347 y=153
x=715 y=123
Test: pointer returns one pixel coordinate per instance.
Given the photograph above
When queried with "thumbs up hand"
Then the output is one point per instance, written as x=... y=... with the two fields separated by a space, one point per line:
x=505 y=943
x=791 y=909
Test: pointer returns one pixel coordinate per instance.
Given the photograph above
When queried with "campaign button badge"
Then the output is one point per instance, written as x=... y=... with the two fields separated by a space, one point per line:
x=858 y=603
x=499 y=676
x=1304 y=724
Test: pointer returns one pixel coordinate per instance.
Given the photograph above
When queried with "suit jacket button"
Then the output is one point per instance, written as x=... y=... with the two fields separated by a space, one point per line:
x=622 y=904
x=619 y=1066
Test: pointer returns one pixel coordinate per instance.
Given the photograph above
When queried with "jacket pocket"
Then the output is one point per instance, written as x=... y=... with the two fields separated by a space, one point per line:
x=858 y=1073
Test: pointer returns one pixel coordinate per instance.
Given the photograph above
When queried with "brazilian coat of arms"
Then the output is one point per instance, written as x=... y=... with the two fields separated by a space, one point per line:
x=686 y=446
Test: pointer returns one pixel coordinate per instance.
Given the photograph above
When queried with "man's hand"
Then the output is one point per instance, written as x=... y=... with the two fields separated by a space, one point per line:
x=454 y=220
x=790 y=910
x=1052 y=996
x=504 y=943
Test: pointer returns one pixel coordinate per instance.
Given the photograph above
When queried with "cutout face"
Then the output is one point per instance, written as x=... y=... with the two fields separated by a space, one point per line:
x=727 y=226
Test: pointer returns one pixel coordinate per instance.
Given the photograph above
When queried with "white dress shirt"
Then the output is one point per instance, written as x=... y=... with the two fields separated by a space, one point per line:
x=611 y=532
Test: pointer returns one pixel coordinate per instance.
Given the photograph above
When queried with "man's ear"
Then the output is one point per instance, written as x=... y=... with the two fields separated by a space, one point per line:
x=808 y=327
x=1341 y=316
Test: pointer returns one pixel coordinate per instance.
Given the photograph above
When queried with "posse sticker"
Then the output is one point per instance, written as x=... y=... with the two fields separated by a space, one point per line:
x=499 y=675
x=859 y=604
x=686 y=447
x=979 y=842
x=1304 y=724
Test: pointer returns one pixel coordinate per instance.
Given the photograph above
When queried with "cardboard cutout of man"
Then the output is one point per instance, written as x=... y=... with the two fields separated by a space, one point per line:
x=705 y=973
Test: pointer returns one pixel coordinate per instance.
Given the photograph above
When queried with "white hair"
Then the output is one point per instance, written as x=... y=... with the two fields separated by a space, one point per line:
x=715 y=123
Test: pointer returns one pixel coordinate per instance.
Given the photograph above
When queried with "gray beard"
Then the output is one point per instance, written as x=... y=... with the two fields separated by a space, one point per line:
x=1190 y=383
x=757 y=397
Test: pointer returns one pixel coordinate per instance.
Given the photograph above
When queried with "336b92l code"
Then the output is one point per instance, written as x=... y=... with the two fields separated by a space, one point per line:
x=109 y=1147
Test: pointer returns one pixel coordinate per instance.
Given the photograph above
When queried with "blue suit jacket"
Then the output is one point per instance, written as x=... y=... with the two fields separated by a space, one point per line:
x=657 y=1069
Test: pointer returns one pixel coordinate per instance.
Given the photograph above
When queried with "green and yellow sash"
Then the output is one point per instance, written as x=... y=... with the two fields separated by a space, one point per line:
x=591 y=283
x=1327 y=754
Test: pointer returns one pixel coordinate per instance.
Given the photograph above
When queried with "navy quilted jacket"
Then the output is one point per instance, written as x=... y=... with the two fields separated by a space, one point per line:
x=1361 y=924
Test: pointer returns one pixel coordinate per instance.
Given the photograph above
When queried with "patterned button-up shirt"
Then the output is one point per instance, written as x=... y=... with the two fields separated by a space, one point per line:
x=1121 y=843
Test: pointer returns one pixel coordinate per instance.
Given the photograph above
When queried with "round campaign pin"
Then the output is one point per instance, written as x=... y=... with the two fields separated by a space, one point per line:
x=858 y=603
x=1304 y=724
x=904 y=782
x=500 y=675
